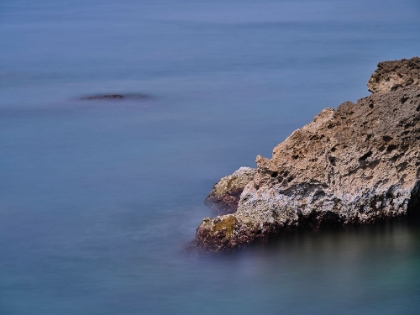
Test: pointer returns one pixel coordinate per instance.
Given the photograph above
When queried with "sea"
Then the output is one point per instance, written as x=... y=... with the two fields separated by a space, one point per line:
x=100 y=198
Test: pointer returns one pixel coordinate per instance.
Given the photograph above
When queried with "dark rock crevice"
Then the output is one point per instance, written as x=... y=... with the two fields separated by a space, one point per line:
x=413 y=208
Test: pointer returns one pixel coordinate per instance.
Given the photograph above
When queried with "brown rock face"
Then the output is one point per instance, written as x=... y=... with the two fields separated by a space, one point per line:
x=395 y=75
x=356 y=164
x=224 y=197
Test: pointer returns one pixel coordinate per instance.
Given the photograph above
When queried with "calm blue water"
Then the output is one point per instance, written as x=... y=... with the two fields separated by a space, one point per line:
x=98 y=199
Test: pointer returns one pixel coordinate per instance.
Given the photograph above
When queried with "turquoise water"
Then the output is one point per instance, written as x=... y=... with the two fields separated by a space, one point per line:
x=98 y=199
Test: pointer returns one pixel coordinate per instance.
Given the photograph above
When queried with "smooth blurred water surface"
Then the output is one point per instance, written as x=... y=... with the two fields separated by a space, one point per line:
x=98 y=199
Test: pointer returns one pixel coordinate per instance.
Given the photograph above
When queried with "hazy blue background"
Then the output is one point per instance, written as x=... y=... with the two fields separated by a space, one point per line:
x=98 y=199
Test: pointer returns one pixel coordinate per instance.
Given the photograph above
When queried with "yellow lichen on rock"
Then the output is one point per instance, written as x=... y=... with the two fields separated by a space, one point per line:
x=226 y=224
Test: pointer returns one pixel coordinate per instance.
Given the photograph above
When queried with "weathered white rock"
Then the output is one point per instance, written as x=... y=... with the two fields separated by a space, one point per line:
x=224 y=197
x=356 y=164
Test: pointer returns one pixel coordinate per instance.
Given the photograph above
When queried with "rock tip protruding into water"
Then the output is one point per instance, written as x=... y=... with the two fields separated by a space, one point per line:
x=224 y=197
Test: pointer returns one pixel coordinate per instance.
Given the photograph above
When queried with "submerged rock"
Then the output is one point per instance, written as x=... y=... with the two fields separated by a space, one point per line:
x=224 y=197
x=113 y=97
x=356 y=164
x=103 y=97
x=395 y=75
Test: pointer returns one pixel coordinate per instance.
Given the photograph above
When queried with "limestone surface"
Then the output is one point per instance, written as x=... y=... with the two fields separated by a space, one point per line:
x=224 y=197
x=395 y=75
x=356 y=164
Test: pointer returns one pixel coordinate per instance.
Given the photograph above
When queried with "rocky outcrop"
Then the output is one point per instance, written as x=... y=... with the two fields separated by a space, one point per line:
x=395 y=75
x=224 y=197
x=356 y=164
